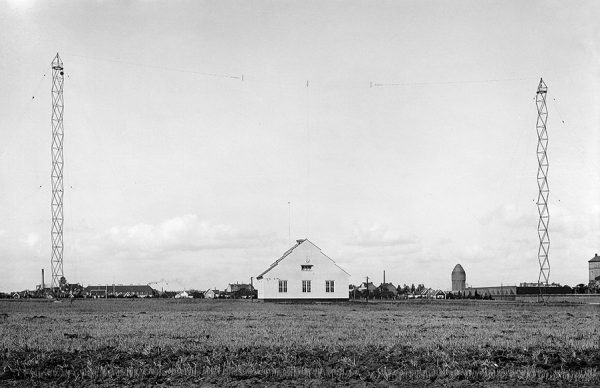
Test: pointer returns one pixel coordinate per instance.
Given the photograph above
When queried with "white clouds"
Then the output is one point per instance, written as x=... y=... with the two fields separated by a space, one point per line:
x=185 y=250
x=179 y=234
x=572 y=225
x=509 y=215
x=377 y=247
x=381 y=245
x=381 y=236
x=31 y=240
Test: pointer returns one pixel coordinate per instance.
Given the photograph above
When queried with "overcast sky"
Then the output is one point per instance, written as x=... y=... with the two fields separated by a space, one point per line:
x=412 y=149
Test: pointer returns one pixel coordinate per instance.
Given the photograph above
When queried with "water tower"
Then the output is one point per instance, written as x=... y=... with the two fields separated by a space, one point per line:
x=459 y=278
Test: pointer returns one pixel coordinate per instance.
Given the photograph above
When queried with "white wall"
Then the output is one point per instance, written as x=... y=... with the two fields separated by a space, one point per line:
x=290 y=269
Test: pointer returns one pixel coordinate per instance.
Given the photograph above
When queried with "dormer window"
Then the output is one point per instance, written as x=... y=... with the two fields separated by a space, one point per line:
x=306 y=267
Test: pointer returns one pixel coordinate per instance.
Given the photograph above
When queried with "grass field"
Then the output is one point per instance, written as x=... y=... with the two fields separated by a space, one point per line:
x=238 y=343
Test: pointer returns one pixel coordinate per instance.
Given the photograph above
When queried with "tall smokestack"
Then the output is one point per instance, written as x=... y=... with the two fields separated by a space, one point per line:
x=43 y=285
x=384 y=276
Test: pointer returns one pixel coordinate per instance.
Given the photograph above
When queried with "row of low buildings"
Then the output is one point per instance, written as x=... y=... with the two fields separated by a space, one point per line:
x=389 y=291
x=304 y=272
x=146 y=291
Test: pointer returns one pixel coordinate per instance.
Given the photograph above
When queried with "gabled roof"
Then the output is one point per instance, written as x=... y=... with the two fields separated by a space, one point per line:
x=595 y=259
x=431 y=292
x=287 y=253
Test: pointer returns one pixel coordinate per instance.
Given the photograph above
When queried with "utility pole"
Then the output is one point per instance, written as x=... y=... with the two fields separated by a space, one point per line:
x=56 y=261
x=544 y=190
x=368 y=291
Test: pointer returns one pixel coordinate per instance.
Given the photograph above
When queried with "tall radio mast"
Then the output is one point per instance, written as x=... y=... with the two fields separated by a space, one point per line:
x=542 y=181
x=56 y=260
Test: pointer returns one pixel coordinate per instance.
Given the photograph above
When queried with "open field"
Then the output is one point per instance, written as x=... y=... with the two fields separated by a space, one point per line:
x=238 y=343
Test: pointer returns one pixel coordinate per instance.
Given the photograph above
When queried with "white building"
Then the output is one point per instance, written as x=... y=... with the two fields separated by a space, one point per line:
x=184 y=295
x=211 y=294
x=303 y=273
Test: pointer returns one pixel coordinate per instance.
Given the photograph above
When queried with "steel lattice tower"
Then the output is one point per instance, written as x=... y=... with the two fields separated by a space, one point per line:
x=542 y=181
x=56 y=260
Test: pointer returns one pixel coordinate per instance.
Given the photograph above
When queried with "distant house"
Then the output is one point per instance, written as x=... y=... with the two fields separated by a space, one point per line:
x=183 y=295
x=211 y=294
x=364 y=290
x=303 y=272
x=116 y=291
x=239 y=290
x=364 y=286
x=387 y=290
x=424 y=293
x=232 y=288
x=431 y=293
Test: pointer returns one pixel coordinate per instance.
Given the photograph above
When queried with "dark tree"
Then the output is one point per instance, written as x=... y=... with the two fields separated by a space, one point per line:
x=196 y=294
x=581 y=289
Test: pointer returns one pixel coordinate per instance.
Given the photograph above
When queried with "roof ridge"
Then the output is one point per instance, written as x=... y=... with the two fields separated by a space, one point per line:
x=285 y=254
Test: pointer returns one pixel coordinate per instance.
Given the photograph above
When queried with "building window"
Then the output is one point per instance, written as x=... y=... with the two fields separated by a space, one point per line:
x=306 y=286
x=329 y=286
x=306 y=267
x=283 y=286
